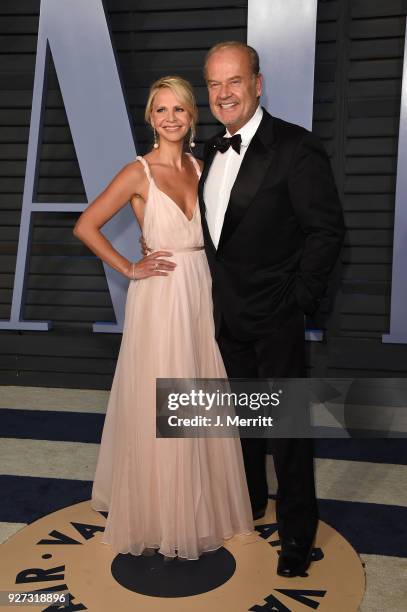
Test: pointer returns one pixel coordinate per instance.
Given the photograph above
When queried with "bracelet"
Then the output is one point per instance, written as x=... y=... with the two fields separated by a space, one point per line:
x=133 y=271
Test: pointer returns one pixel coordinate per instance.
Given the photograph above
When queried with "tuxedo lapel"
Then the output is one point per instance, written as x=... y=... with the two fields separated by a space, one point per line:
x=208 y=159
x=209 y=154
x=256 y=161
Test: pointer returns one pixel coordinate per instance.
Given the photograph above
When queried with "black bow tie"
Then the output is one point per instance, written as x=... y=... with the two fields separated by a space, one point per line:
x=222 y=143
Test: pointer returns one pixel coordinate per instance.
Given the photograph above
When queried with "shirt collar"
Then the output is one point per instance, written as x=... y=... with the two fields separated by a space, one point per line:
x=248 y=130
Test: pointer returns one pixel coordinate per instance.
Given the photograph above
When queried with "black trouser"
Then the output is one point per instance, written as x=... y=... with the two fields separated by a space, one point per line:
x=280 y=354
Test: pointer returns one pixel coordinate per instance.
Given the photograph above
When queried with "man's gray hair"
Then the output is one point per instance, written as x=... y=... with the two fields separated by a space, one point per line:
x=236 y=44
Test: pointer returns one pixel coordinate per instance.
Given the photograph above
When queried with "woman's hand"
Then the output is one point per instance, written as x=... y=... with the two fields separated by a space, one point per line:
x=151 y=265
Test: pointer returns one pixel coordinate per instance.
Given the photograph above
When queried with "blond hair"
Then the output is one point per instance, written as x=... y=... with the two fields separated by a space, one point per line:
x=182 y=89
x=236 y=44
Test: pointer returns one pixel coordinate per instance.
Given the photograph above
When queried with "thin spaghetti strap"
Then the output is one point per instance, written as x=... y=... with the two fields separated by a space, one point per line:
x=195 y=164
x=145 y=166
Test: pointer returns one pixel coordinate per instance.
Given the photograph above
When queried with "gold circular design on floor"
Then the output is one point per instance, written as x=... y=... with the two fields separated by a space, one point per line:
x=335 y=580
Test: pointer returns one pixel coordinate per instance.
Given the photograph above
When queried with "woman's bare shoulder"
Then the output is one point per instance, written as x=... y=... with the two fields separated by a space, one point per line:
x=131 y=179
x=135 y=173
x=135 y=168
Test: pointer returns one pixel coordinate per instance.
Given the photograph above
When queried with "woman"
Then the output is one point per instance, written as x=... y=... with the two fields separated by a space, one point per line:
x=182 y=496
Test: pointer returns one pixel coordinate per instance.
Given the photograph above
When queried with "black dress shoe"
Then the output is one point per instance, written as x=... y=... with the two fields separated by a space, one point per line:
x=295 y=557
x=258 y=514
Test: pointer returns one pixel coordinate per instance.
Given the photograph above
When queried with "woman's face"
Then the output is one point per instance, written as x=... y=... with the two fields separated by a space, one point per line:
x=169 y=116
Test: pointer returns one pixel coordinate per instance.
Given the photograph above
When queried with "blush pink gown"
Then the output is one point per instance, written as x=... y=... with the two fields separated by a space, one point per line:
x=180 y=496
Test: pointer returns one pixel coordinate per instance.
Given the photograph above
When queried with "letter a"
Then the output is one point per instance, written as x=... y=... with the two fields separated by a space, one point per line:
x=77 y=36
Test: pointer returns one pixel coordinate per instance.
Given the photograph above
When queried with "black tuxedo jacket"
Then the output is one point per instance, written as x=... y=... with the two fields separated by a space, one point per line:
x=282 y=231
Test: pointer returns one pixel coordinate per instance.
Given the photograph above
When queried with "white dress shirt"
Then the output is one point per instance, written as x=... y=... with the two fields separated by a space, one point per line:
x=222 y=175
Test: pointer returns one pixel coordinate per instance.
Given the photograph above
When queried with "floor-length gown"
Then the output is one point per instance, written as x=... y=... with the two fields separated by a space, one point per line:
x=182 y=496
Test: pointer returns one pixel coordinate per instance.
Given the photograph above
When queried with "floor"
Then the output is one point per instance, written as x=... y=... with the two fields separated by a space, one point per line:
x=361 y=485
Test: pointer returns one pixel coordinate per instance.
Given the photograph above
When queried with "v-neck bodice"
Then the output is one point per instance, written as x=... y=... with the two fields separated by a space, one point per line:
x=165 y=225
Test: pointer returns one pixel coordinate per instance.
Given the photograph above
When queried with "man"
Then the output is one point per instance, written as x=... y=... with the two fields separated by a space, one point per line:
x=273 y=227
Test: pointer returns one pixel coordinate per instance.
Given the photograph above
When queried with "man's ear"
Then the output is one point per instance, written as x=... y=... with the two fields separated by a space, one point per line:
x=259 y=84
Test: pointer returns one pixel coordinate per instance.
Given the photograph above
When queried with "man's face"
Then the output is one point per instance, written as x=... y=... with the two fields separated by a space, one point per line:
x=233 y=88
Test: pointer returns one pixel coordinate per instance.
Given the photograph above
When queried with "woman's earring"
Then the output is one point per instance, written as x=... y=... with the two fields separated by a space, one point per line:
x=191 y=139
x=155 y=145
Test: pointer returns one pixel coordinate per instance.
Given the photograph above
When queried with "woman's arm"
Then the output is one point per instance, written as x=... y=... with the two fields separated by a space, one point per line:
x=131 y=180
